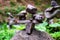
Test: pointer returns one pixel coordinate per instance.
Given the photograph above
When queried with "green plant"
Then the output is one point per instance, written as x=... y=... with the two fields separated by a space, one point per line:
x=12 y=3
x=17 y=9
x=56 y=35
x=41 y=26
x=54 y=30
x=6 y=9
x=20 y=8
x=5 y=33
x=19 y=27
x=1 y=11
x=13 y=10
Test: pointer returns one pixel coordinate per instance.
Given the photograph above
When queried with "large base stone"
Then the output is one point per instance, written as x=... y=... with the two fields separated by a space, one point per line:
x=36 y=35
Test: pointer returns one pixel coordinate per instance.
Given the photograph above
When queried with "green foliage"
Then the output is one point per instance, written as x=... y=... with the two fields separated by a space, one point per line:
x=48 y=5
x=14 y=10
x=41 y=27
x=54 y=30
x=17 y=10
x=56 y=35
x=19 y=27
x=55 y=25
x=1 y=11
x=12 y=3
x=5 y=33
x=4 y=26
x=37 y=2
x=6 y=9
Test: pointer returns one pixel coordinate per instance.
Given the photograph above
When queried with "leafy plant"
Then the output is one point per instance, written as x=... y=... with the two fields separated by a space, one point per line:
x=5 y=33
x=6 y=9
x=55 y=25
x=56 y=35
x=41 y=26
x=1 y=11
x=17 y=9
x=19 y=27
x=12 y=3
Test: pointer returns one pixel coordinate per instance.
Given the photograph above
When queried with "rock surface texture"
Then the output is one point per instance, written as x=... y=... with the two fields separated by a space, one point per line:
x=36 y=35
